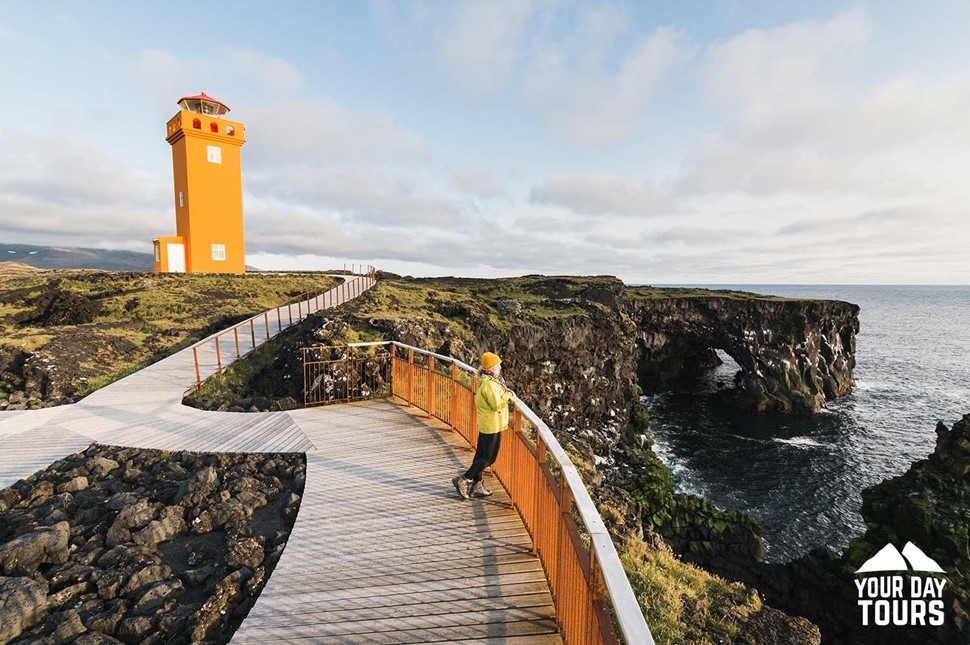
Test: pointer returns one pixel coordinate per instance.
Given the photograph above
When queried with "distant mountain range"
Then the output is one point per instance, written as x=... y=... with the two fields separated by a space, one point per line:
x=64 y=257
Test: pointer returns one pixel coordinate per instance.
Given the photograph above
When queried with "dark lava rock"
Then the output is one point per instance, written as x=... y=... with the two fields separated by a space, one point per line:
x=73 y=486
x=96 y=638
x=135 y=629
x=23 y=603
x=927 y=505
x=170 y=523
x=244 y=552
x=157 y=596
x=23 y=554
x=140 y=558
x=100 y=466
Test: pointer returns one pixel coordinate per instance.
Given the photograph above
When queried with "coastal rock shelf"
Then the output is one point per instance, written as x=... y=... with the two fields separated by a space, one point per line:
x=794 y=355
x=134 y=545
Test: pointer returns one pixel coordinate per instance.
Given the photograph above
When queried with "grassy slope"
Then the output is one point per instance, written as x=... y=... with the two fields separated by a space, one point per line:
x=100 y=325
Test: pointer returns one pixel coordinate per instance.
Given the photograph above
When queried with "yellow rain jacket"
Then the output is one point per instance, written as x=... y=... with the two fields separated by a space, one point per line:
x=492 y=403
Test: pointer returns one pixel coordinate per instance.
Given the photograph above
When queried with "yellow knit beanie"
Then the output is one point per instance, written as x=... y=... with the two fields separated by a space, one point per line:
x=490 y=360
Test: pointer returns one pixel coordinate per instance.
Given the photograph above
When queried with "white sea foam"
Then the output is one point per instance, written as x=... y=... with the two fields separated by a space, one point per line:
x=801 y=442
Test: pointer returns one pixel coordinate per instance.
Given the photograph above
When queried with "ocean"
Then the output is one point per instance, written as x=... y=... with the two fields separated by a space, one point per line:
x=803 y=475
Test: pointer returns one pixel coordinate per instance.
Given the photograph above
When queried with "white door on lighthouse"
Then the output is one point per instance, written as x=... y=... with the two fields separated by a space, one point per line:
x=176 y=258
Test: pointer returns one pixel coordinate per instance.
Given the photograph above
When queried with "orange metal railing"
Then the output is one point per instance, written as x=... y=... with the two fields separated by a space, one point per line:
x=341 y=374
x=580 y=561
x=241 y=339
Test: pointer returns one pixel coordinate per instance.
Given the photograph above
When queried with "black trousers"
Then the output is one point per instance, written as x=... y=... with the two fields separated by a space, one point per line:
x=485 y=455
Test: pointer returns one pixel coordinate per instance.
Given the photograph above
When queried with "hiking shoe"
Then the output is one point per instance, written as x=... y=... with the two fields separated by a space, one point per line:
x=462 y=485
x=479 y=490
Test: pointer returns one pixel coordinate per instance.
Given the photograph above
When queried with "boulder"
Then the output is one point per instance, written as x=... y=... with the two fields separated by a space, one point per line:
x=214 y=613
x=23 y=604
x=170 y=522
x=231 y=515
x=108 y=620
x=69 y=626
x=136 y=514
x=244 y=552
x=144 y=577
x=135 y=629
x=198 y=487
x=96 y=638
x=23 y=554
x=101 y=466
x=74 y=485
x=157 y=596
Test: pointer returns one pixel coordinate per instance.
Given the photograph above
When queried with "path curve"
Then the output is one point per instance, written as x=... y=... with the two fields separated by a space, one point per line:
x=381 y=552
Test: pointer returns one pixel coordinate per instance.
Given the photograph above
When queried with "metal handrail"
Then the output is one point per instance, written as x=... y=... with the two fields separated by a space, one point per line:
x=314 y=300
x=602 y=566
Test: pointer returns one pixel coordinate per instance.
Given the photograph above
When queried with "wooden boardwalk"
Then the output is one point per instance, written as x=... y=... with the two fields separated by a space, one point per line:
x=383 y=550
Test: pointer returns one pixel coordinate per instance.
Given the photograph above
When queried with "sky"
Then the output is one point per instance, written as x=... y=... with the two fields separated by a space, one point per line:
x=691 y=142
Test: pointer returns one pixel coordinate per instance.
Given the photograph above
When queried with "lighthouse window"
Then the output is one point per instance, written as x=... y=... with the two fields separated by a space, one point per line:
x=214 y=126
x=231 y=131
x=214 y=154
x=218 y=251
x=181 y=199
x=197 y=124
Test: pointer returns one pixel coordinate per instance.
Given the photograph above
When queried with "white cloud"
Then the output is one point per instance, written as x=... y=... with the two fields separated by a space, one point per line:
x=365 y=196
x=785 y=67
x=591 y=103
x=68 y=188
x=320 y=131
x=478 y=183
x=274 y=74
x=601 y=194
x=227 y=74
x=480 y=41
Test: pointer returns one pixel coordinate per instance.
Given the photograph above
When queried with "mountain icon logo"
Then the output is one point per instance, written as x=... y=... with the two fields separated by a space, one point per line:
x=890 y=559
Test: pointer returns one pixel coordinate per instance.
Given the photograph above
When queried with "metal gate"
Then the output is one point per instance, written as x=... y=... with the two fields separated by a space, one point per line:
x=338 y=374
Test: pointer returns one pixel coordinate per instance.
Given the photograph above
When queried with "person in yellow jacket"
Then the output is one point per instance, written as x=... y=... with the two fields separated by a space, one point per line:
x=492 y=403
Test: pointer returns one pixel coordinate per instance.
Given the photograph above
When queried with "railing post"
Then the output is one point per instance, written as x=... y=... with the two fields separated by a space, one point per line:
x=410 y=377
x=198 y=375
x=289 y=311
x=266 y=322
x=473 y=416
x=453 y=399
x=299 y=309
x=565 y=515
x=235 y=334
x=594 y=595
x=540 y=480
x=218 y=356
x=392 y=358
x=347 y=373
x=430 y=386
x=306 y=380
x=279 y=319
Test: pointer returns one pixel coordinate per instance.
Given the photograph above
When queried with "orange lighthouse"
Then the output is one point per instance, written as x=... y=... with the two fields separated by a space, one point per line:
x=208 y=191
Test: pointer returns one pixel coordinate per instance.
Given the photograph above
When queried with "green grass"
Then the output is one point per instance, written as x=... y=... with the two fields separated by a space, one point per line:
x=662 y=293
x=683 y=603
x=132 y=319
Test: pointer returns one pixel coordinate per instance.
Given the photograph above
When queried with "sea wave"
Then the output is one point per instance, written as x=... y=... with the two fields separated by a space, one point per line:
x=800 y=442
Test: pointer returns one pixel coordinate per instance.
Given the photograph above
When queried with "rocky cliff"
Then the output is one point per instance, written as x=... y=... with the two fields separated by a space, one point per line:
x=928 y=505
x=794 y=355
